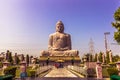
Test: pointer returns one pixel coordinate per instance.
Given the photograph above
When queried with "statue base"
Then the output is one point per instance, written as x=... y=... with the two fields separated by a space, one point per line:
x=65 y=60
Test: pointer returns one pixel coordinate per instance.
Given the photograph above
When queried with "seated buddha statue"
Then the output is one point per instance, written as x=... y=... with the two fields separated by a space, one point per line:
x=59 y=43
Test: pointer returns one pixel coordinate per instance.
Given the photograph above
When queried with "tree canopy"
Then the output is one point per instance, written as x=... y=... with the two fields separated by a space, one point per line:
x=116 y=25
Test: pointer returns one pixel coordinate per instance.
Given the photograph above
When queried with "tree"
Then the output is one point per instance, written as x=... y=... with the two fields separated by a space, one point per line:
x=10 y=59
x=95 y=58
x=107 y=57
x=22 y=57
x=90 y=57
x=116 y=25
x=116 y=58
x=17 y=60
x=27 y=59
x=7 y=55
x=100 y=56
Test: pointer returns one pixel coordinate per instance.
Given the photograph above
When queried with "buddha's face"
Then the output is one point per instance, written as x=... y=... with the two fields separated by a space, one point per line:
x=59 y=28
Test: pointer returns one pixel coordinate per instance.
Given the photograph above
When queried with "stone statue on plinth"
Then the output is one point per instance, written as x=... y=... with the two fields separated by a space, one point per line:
x=59 y=43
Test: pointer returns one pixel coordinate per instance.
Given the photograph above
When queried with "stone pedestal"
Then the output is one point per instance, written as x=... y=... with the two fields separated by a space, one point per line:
x=23 y=66
x=65 y=60
x=99 y=70
x=90 y=64
x=5 y=65
x=23 y=73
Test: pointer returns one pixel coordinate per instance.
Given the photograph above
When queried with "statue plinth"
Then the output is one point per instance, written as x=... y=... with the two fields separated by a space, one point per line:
x=54 y=59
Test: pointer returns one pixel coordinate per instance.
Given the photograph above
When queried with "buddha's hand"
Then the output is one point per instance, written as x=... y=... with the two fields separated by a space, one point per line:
x=63 y=49
x=55 y=49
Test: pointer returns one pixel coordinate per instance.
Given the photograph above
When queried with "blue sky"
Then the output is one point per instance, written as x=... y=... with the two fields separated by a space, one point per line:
x=26 y=24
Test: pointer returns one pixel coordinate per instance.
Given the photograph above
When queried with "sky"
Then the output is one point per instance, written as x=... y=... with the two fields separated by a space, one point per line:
x=25 y=25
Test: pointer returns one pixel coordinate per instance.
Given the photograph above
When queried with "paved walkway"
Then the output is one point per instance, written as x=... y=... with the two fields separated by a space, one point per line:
x=60 y=72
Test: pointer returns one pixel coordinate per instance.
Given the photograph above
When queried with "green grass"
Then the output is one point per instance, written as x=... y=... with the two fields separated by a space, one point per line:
x=105 y=73
x=17 y=73
x=1 y=71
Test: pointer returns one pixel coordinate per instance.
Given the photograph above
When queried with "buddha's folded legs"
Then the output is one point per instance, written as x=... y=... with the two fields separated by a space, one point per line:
x=71 y=53
x=60 y=53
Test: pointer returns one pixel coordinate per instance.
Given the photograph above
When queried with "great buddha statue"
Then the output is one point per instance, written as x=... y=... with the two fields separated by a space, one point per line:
x=59 y=43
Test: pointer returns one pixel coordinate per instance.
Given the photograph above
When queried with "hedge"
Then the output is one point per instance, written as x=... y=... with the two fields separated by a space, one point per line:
x=112 y=71
x=10 y=71
x=7 y=77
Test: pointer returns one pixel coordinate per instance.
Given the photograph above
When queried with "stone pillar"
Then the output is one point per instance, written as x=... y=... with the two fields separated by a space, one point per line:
x=23 y=73
x=97 y=58
x=99 y=70
x=118 y=67
x=6 y=64
x=110 y=56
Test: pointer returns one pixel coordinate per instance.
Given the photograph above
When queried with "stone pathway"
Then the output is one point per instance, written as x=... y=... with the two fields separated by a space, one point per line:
x=60 y=72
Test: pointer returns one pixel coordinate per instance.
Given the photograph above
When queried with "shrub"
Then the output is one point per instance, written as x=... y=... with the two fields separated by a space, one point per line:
x=91 y=72
x=1 y=64
x=112 y=71
x=7 y=77
x=112 y=64
x=10 y=71
x=104 y=72
x=31 y=73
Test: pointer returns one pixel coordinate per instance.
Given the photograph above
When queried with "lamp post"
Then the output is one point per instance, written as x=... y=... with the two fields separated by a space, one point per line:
x=106 y=45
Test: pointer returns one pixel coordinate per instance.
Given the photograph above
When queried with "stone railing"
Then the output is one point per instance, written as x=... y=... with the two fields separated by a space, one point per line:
x=79 y=70
x=43 y=69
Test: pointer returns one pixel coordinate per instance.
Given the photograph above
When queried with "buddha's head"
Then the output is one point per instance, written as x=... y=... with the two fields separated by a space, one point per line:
x=59 y=27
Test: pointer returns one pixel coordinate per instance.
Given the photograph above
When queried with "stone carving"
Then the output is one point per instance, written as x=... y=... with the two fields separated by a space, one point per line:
x=23 y=72
x=59 y=43
x=6 y=64
x=110 y=56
